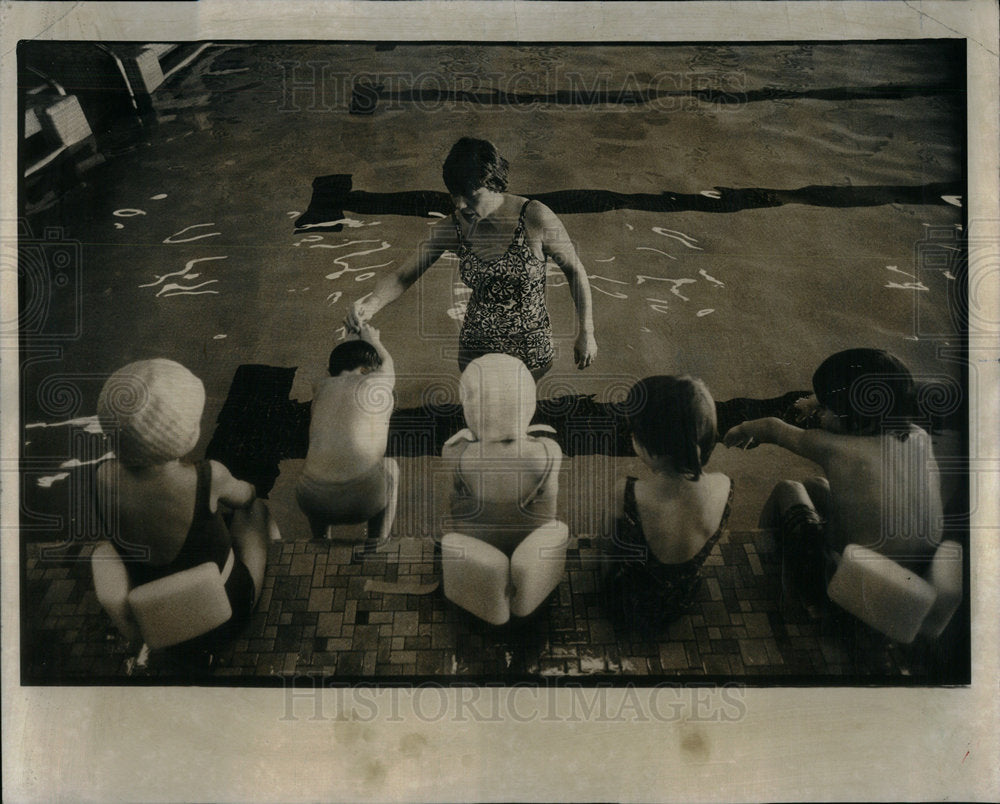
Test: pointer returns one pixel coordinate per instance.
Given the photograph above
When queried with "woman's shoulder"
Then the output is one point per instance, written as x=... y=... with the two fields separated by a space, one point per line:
x=542 y=222
x=534 y=210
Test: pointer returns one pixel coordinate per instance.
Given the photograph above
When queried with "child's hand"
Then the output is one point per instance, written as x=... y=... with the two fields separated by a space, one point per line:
x=367 y=332
x=740 y=436
x=805 y=408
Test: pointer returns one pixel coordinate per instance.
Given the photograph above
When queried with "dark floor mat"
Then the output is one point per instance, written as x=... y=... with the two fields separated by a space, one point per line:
x=259 y=425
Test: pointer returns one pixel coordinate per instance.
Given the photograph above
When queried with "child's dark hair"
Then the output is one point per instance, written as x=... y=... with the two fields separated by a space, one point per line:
x=869 y=390
x=354 y=354
x=673 y=418
x=472 y=164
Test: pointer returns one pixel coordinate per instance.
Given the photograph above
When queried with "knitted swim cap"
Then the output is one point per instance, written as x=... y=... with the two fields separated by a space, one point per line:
x=498 y=397
x=155 y=406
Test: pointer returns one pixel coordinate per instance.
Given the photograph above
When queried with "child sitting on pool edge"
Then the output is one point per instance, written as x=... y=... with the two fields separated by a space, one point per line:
x=347 y=479
x=662 y=528
x=503 y=552
x=880 y=488
x=506 y=476
x=166 y=512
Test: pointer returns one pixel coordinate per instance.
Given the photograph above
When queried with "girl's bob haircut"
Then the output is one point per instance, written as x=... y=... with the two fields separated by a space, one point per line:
x=868 y=390
x=472 y=164
x=673 y=418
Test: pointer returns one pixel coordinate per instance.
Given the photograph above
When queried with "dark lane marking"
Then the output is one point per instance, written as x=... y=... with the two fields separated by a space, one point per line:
x=332 y=196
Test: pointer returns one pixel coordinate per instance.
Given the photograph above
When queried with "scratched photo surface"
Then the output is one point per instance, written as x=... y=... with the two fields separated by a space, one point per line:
x=743 y=211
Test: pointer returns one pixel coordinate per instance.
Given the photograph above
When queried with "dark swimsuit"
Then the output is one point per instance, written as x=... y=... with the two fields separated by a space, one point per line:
x=207 y=539
x=643 y=592
x=506 y=312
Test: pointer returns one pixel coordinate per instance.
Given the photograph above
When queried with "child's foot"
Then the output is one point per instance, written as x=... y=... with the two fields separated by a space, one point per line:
x=273 y=533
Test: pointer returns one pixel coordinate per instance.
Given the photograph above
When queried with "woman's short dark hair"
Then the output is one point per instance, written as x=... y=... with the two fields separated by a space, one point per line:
x=472 y=164
x=869 y=390
x=354 y=354
x=673 y=418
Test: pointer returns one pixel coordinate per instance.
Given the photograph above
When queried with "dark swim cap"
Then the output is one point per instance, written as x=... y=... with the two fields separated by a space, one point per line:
x=865 y=388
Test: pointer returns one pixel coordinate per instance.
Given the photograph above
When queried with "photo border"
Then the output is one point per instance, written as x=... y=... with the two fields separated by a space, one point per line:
x=103 y=744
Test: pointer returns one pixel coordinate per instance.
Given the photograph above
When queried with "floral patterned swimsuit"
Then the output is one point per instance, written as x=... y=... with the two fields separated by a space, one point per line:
x=506 y=312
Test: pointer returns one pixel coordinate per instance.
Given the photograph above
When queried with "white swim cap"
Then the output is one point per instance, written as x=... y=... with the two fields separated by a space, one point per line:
x=155 y=406
x=498 y=397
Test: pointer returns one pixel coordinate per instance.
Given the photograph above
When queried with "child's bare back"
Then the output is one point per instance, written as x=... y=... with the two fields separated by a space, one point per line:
x=347 y=478
x=678 y=516
x=882 y=488
x=349 y=425
x=884 y=494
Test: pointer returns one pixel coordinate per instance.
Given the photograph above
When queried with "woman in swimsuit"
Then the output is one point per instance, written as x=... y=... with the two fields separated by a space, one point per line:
x=502 y=242
x=665 y=526
x=167 y=512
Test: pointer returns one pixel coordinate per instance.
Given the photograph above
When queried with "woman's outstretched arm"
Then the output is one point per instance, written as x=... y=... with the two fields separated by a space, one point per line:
x=557 y=245
x=392 y=286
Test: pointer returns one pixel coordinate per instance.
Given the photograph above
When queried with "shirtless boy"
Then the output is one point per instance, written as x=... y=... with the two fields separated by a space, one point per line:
x=881 y=486
x=347 y=478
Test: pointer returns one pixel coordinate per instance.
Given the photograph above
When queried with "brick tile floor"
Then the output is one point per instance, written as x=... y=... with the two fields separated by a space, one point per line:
x=316 y=618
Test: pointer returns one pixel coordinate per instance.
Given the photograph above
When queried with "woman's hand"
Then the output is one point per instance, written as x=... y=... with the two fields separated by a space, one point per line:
x=584 y=350
x=361 y=312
